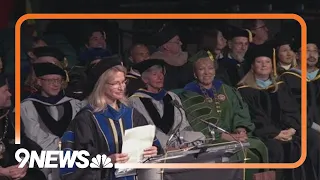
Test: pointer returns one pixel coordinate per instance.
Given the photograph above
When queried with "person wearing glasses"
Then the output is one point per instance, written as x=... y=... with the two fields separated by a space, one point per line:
x=47 y=113
x=99 y=128
x=156 y=105
x=260 y=30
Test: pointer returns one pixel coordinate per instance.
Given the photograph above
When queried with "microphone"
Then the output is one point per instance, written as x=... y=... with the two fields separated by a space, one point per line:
x=177 y=104
x=177 y=129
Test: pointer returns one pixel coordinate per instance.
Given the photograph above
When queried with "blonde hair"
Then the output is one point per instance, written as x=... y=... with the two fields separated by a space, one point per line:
x=97 y=98
x=250 y=80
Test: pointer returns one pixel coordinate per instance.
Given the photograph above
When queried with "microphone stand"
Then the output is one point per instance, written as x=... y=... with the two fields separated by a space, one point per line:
x=177 y=129
x=216 y=127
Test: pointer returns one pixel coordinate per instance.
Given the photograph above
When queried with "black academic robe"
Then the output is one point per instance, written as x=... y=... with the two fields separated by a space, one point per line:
x=272 y=112
x=292 y=79
x=99 y=133
x=9 y=155
x=230 y=71
x=177 y=77
x=134 y=83
x=316 y=84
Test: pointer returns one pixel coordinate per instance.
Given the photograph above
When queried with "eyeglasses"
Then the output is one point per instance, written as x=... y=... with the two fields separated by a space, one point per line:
x=52 y=81
x=118 y=84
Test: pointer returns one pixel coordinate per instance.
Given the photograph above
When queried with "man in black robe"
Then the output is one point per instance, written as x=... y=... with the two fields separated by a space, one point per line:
x=179 y=71
x=8 y=164
x=233 y=67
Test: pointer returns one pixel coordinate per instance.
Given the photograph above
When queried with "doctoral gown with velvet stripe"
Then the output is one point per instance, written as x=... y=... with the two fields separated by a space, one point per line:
x=234 y=114
x=99 y=133
x=275 y=111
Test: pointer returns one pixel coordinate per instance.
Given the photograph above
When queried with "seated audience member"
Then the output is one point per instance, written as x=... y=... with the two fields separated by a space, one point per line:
x=213 y=101
x=277 y=117
x=285 y=56
x=9 y=166
x=178 y=69
x=213 y=41
x=47 y=113
x=41 y=54
x=138 y=53
x=233 y=66
x=155 y=104
x=100 y=126
x=292 y=78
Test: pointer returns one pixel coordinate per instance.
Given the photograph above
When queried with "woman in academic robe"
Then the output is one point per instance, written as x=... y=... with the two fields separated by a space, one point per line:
x=292 y=78
x=47 y=113
x=158 y=107
x=8 y=165
x=285 y=56
x=277 y=116
x=100 y=126
x=217 y=103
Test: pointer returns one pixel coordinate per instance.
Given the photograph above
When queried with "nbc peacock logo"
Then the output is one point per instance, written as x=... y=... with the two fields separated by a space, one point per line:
x=101 y=161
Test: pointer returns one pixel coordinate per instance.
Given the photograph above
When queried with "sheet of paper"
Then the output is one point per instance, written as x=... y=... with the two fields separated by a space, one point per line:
x=136 y=140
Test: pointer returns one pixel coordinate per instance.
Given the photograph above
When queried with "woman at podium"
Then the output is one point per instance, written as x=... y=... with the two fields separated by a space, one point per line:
x=277 y=117
x=213 y=101
x=156 y=105
x=99 y=128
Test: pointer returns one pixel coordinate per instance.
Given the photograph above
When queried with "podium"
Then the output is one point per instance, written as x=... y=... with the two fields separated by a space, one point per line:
x=209 y=153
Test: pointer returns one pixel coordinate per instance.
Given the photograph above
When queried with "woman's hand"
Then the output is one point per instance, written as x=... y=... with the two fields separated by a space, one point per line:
x=119 y=158
x=284 y=135
x=150 y=152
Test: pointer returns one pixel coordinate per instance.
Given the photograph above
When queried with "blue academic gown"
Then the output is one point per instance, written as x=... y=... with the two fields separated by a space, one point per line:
x=100 y=133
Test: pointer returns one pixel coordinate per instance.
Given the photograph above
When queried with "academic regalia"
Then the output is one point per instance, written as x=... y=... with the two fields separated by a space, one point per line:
x=158 y=110
x=231 y=71
x=7 y=158
x=46 y=118
x=293 y=80
x=179 y=71
x=100 y=132
x=273 y=111
x=279 y=40
x=91 y=132
x=134 y=82
x=230 y=113
x=38 y=52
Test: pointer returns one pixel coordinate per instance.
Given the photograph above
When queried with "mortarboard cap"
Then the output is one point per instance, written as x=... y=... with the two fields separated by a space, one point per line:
x=42 y=69
x=281 y=39
x=201 y=54
x=265 y=51
x=239 y=32
x=96 y=70
x=49 y=51
x=165 y=33
x=312 y=38
x=145 y=65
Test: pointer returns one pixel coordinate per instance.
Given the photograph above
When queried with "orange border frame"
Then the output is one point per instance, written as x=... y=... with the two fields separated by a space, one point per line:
x=176 y=16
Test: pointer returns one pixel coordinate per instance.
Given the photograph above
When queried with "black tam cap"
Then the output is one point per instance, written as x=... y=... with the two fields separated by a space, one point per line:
x=49 y=51
x=165 y=33
x=281 y=39
x=42 y=69
x=96 y=70
x=238 y=32
x=145 y=65
x=3 y=80
x=265 y=51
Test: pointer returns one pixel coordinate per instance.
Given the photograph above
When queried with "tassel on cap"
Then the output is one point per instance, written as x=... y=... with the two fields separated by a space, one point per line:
x=210 y=55
x=250 y=36
x=274 y=63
